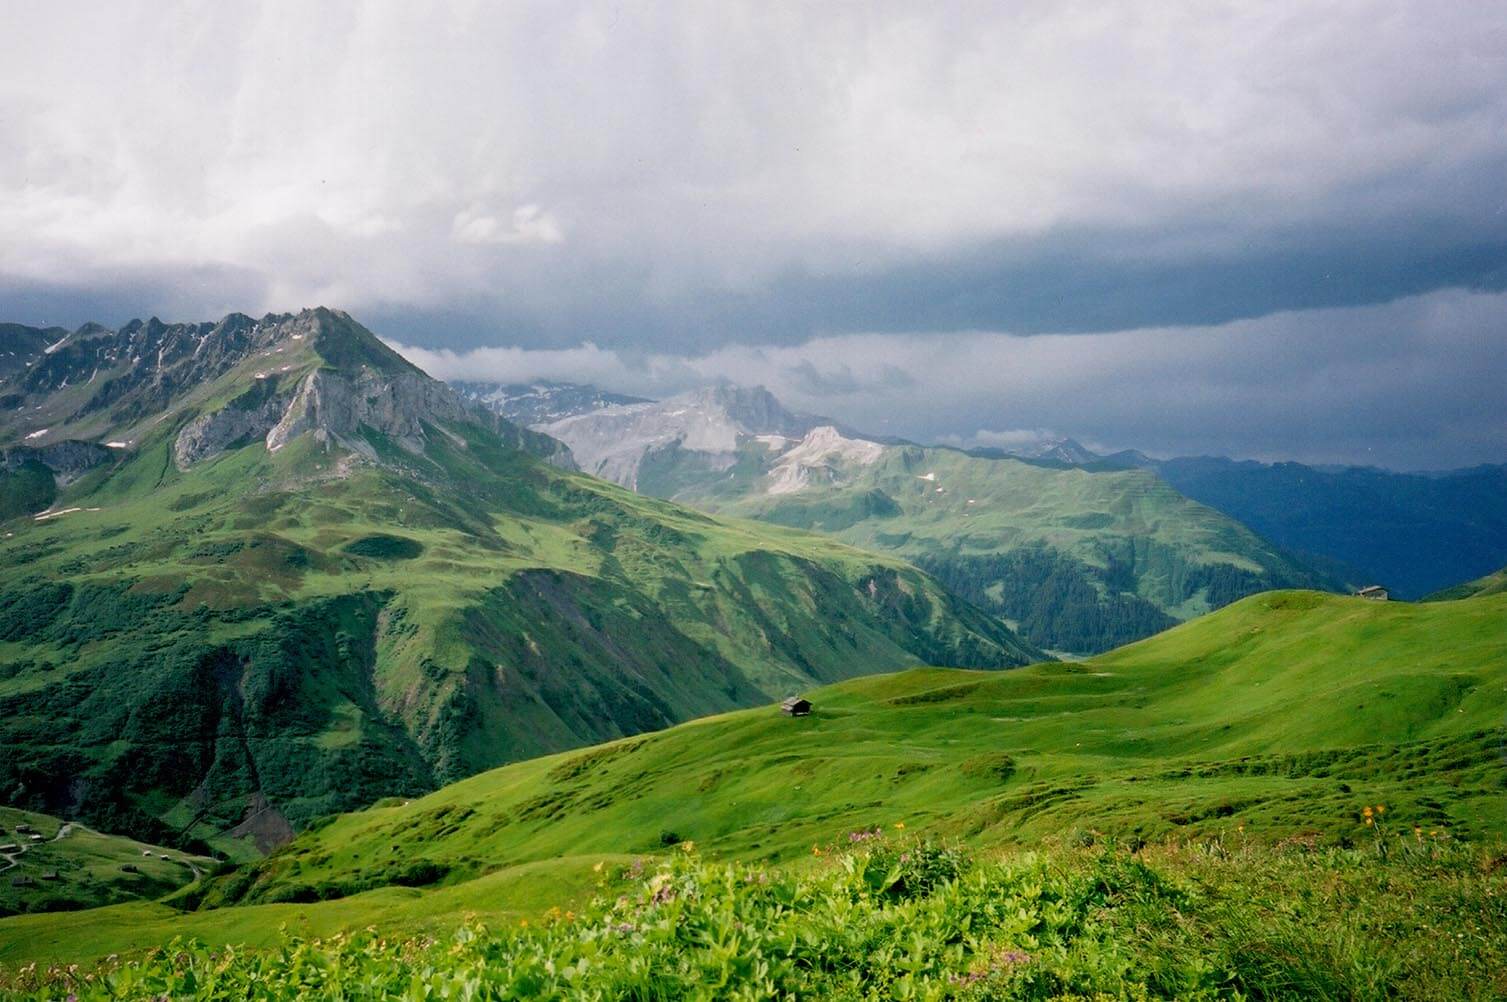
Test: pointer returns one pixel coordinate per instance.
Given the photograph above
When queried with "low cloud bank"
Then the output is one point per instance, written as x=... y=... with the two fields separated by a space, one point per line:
x=1414 y=384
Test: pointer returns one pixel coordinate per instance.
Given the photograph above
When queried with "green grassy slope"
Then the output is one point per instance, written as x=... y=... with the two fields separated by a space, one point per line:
x=1077 y=560
x=71 y=867
x=352 y=617
x=1265 y=710
x=1282 y=716
x=1491 y=584
x=892 y=918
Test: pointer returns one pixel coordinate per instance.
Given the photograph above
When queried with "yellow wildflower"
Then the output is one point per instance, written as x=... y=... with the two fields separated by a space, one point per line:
x=1366 y=810
x=598 y=867
x=816 y=850
x=900 y=825
x=1381 y=808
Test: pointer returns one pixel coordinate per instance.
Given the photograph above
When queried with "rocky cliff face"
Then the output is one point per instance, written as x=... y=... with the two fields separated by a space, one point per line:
x=333 y=407
x=613 y=442
x=67 y=460
x=243 y=421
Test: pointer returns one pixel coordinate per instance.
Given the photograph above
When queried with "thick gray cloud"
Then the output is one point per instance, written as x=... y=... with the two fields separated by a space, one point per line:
x=1415 y=384
x=686 y=178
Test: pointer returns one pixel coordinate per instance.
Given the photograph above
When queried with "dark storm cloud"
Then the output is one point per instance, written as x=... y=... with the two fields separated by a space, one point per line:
x=1074 y=283
x=1413 y=384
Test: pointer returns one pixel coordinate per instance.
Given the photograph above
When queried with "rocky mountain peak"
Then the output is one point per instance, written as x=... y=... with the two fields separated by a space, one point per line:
x=753 y=409
x=232 y=381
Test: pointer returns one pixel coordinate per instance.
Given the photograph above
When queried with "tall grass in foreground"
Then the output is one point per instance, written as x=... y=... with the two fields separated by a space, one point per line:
x=884 y=918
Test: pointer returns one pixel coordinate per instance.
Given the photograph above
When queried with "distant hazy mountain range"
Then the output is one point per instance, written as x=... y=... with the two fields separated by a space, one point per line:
x=259 y=570
x=1345 y=526
x=1077 y=560
x=1415 y=533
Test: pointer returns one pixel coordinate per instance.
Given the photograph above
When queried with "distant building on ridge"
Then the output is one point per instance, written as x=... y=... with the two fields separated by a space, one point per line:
x=1374 y=592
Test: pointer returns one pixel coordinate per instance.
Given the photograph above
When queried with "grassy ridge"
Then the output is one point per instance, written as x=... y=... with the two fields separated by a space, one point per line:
x=1274 y=720
x=1491 y=584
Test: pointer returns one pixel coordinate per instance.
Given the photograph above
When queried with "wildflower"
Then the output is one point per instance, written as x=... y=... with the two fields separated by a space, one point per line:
x=688 y=846
x=598 y=867
x=1381 y=808
x=1370 y=821
x=816 y=850
x=900 y=825
x=1366 y=811
x=523 y=923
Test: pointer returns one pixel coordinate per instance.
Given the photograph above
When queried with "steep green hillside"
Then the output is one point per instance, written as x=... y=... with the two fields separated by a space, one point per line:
x=1077 y=560
x=300 y=575
x=1491 y=584
x=48 y=866
x=1274 y=721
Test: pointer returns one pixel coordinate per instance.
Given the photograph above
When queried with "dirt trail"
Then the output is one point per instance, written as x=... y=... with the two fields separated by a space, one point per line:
x=13 y=859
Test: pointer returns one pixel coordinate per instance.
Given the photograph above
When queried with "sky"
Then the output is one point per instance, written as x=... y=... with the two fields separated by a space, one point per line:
x=1275 y=230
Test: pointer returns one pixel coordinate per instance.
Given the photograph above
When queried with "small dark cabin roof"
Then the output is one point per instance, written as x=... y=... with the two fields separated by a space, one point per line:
x=796 y=703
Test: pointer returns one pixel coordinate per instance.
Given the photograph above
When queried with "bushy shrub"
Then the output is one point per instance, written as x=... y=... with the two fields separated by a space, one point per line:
x=908 y=870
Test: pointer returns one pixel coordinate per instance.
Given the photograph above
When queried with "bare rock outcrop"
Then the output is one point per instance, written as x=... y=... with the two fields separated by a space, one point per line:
x=335 y=408
x=68 y=460
x=209 y=435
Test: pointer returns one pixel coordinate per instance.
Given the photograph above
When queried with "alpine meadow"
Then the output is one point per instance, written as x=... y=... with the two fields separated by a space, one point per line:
x=566 y=501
